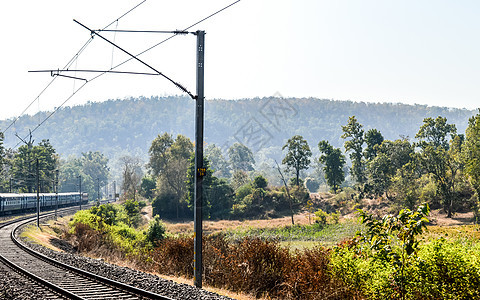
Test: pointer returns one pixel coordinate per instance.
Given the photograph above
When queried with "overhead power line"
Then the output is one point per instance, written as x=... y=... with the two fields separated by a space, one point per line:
x=180 y=32
x=181 y=87
x=68 y=64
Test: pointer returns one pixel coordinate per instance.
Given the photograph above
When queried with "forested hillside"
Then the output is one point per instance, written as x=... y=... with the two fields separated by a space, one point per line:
x=119 y=127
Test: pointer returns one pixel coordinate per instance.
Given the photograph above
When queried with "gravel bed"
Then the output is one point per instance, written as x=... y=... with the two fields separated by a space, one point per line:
x=128 y=276
x=15 y=286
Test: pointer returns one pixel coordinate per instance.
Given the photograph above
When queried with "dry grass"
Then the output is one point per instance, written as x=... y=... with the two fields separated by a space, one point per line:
x=41 y=236
x=210 y=227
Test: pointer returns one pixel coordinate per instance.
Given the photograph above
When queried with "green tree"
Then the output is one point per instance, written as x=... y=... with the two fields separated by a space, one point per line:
x=298 y=155
x=147 y=187
x=91 y=168
x=239 y=179
x=333 y=161
x=132 y=208
x=169 y=162
x=312 y=184
x=373 y=138
x=240 y=157
x=5 y=166
x=156 y=230
x=260 y=182
x=95 y=169
x=472 y=155
x=219 y=164
x=383 y=237
x=390 y=157
x=159 y=152
x=354 y=133
x=24 y=166
x=436 y=158
x=218 y=195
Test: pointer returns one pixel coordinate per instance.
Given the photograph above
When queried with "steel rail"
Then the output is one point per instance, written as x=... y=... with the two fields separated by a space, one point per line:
x=108 y=283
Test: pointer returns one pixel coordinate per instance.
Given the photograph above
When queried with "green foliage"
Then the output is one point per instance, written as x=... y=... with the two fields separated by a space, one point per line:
x=405 y=186
x=324 y=218
x=334 y=162
x=240 y=157
x=219 y=164
x=23 y=166
x=132 y=208
x=441 y=270
x=147 y=187
x=447 y=270
x=438 y=158
x=218 y=195
x=91 y=168
x=382 y=236
x=106 y=213
x=260 y=182
x=156 y=231
x=354 y=133
x=298 y=155
x=239 y=179
x=169 y=163
x=472 y=158
x=86 y=217
x=373 y=139
x=312 y=184
x=390 y=157
x=293 y=182
x=243 y=191
x=164 y=205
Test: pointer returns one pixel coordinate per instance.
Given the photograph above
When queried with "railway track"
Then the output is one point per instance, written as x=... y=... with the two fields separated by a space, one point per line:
x=64 y=280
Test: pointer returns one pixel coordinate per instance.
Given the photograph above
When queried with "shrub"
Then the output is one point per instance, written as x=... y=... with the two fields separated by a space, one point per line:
x=321 y=217
x=156 y=231
x=446 y=270
x=106 y=212
x=260 y=182
x=132 y=208
x=312 y=184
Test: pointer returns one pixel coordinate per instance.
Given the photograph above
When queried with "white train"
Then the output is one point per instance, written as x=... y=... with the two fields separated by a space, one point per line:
x=10 y=203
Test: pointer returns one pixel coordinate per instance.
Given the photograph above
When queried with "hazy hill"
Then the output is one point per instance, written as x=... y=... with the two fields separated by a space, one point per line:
x=117 y=127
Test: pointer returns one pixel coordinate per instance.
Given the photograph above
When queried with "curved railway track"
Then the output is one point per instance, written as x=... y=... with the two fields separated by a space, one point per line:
x=70 y=282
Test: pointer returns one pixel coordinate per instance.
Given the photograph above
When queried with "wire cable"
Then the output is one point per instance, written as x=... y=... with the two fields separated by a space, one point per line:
x=68 y=65
x=167 y=39
x=131 y=58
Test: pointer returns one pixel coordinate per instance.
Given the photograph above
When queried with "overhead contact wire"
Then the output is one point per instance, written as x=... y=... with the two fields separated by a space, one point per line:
x=68 y=64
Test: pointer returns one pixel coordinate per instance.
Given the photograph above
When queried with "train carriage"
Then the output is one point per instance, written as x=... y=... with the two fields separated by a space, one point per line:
x=10 y=202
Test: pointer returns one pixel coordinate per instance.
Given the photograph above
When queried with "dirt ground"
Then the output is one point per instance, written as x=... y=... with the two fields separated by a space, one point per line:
x=438 y=217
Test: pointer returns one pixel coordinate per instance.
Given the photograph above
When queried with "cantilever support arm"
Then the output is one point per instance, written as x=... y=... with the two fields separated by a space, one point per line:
x=181 y=87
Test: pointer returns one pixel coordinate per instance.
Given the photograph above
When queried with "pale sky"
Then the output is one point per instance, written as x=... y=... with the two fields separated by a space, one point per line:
x=425 y=52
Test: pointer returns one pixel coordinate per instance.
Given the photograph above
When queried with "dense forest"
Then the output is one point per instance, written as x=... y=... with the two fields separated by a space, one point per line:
x=119 y=127
x=116 y=137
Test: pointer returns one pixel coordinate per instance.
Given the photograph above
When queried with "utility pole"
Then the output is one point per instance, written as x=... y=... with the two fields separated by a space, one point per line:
x=80 y=189
x=10 y=190
x=200 y=170
x=38 y=196
x=114 y=191
x=199 y=126
x=98 y=191
x=56 y=193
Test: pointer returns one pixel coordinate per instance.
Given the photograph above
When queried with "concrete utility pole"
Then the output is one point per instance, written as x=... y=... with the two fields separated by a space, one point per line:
x=200 y=170
x=80 y=189
x=56 y=193
x=98 y=191
x=38 y=196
